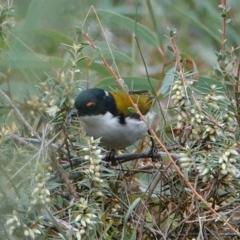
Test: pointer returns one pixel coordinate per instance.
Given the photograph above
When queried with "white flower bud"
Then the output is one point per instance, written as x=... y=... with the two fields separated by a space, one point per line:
x=232 y=160
x=224 y=172
x=83 y=222
x=205 y=171
x=225 y=158
x=205 y=178
x=179 y=117
x=82 y=231
x=224 y=166
x=175 y=87
x=220 y=160
x=185 y=159
x=10 y=221
x=233 y=152
x=26 y=232
x=88 y=220
x=185 y=165
x=78 y=217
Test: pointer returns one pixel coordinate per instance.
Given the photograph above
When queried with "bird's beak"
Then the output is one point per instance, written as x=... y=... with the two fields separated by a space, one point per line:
x=72 y=114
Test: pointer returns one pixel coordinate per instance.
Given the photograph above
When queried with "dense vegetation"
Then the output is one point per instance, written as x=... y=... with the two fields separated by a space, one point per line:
x=53 y=181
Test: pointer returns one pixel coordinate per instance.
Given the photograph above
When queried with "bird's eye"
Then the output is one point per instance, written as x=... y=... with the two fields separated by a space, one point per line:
x=91 y=105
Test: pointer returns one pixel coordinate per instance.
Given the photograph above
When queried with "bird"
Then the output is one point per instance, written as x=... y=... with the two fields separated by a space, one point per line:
x=105 y=115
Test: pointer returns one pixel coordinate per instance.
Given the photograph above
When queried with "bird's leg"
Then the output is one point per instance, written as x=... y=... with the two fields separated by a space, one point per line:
x=110 y=157
x=153 y=149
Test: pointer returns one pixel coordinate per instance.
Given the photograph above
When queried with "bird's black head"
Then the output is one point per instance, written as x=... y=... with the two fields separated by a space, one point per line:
x=95 y=101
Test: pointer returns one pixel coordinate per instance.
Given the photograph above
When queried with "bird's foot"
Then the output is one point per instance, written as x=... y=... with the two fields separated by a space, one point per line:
x=153 y=153
x=110 y=157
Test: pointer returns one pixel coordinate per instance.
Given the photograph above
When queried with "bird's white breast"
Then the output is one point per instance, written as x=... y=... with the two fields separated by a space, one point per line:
x=112 y=133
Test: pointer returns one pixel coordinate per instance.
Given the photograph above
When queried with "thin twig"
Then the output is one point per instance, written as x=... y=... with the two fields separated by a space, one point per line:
x=19 y=114
x=224 y=27
x=66 y=179
x=23 y=142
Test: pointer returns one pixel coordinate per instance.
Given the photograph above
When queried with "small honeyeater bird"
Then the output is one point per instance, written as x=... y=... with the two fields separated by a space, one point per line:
x=106 y=115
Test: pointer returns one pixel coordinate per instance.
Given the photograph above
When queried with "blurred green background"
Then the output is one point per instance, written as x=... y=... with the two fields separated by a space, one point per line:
x=34 y=33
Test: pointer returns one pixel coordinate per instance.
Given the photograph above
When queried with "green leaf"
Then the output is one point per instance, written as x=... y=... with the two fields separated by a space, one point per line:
x=22 y=60
x=134 y=234
x=16 y=87
x=131 y=208
x=140 y=30
x=167 y=81
x=223 y=217
x=96 y=66
x=224 y=15
x=185 y=12
x=50 y=34
x=218 y=73
x=170 y=48
x=135 y=83
x=171 y=34
x=228 y=20
x=132 y=110
x=203 y=205
x=116 y=54
x=204 y=83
